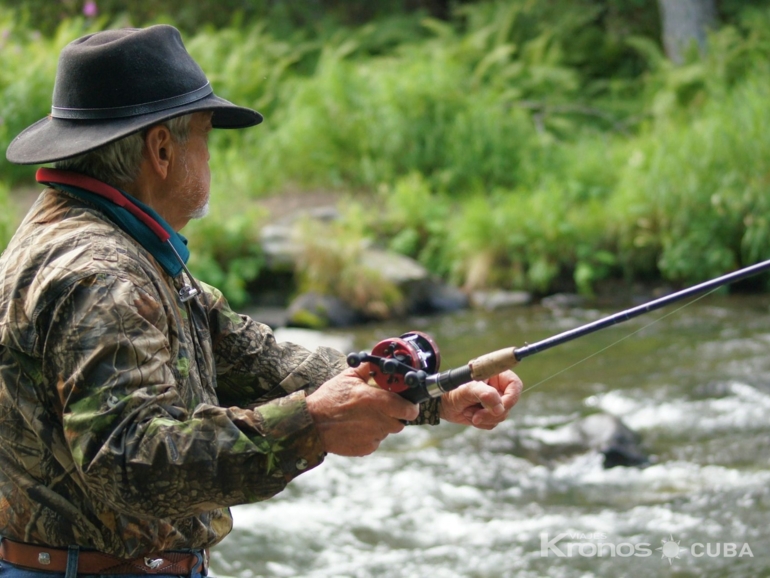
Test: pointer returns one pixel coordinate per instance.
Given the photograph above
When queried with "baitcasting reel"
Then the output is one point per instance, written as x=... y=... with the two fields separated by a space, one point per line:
x=400 y=363
x=408 y=365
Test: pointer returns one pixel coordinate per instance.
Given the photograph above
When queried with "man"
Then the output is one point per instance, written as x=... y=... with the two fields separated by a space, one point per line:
x=135 y=406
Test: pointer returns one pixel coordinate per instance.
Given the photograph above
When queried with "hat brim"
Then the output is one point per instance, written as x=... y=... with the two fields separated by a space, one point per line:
x=54 y=139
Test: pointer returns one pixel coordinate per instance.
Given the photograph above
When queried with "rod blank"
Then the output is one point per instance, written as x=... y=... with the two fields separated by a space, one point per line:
x=489 y=364
x=605 y=322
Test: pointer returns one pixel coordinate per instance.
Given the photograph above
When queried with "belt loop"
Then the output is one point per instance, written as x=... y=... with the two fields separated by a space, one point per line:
x=197 y=568
x=200 y=564
x=72 y=562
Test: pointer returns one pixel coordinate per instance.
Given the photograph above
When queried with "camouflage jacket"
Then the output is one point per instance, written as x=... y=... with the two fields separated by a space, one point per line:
x=130 y=421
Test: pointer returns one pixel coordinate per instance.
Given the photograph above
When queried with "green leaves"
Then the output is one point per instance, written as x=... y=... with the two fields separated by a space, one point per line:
x=521 y=143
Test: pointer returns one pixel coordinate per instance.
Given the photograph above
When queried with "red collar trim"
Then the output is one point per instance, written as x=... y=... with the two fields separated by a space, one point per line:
x=57 y=176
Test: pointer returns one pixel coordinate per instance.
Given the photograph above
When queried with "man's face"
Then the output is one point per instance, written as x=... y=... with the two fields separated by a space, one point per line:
x=195 y=178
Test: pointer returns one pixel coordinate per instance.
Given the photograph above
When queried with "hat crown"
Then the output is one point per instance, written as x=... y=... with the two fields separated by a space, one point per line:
x=122 y=68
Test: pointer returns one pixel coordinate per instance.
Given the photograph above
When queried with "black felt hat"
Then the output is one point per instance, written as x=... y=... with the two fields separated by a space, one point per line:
x=117 y=82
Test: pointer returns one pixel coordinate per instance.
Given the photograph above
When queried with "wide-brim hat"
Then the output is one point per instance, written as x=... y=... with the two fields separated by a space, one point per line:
x=117 y=82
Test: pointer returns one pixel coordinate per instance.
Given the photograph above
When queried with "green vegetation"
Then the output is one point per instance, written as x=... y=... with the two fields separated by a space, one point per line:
x=332 y=262
x=539 y=145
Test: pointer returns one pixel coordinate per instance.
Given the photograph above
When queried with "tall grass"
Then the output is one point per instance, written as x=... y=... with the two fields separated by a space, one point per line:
x=360 y=124
x=27 y=77
x=695 y=191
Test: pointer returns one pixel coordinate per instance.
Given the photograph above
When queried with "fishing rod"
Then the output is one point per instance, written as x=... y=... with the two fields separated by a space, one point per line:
x=409 y=364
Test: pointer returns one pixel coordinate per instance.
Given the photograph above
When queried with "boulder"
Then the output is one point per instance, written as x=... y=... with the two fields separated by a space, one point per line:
x=278 y=246
x=279 y=241
x=443 y=298
x=272 y=316
x=601 y=432
x=608 y=435
x=311 y=339
x=422 y=292
x=563 y=301
x=315 y=311
x=499 y=299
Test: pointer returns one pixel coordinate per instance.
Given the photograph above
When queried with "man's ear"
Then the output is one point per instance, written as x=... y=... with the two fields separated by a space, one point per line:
x=158 y=149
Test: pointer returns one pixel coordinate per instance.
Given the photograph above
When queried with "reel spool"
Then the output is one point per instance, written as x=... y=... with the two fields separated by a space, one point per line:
x=396 y=361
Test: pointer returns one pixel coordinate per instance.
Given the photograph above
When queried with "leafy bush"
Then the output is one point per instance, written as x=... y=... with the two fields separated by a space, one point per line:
x=411 y=219
x=7 y=219
x=695 y=191
x=27 y=77
x=225 y=247
x=691 y=199
x=521 y=144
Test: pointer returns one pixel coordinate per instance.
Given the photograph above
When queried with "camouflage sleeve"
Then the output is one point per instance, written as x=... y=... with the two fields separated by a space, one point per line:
x=140 y=439
x=252 y=367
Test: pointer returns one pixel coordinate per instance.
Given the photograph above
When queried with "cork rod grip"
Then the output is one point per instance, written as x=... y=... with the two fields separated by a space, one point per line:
x=490 y=364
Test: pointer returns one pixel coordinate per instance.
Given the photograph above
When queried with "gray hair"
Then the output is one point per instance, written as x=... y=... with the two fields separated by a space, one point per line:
x=117 y=163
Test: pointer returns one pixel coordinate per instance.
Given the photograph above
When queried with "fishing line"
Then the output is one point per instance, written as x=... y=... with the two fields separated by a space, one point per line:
x=602 y=350
x=408 y=365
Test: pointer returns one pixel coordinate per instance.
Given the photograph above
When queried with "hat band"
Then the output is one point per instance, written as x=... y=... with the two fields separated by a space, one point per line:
x=133 y=110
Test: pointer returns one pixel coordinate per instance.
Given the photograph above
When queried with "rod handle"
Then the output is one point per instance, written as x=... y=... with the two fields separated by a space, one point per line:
x=489 y=364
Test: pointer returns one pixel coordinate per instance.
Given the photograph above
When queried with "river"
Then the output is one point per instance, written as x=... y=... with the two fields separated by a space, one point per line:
x=448 y=502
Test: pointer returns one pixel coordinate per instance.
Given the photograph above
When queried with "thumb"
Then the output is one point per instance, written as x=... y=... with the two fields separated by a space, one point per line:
x=363 y=372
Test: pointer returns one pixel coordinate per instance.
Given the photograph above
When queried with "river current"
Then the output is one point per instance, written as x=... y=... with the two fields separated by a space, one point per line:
x=448 y=501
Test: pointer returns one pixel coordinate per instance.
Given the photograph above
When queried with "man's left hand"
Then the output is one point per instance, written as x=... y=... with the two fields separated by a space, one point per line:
x=482 y=405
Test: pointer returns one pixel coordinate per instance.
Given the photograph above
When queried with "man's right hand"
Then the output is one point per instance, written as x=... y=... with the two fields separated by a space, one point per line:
x=353 y=417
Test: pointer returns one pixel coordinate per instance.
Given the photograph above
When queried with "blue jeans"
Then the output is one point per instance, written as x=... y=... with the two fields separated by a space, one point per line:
x=8 y=570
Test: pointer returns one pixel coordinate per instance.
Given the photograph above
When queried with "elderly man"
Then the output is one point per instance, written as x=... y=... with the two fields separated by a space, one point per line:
x=135 y=406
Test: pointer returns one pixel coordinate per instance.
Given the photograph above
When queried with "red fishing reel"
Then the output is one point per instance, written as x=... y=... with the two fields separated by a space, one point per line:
x=400 y=363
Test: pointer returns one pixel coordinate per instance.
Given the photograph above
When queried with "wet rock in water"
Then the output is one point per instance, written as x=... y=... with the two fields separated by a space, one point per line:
x=499 y=299
x=610 y=436
x=315 y=311
x=563 y=301
x=444 y=298
x=278 y=246
x=311 y=339
x=599 y=432
x=278 y=239
x=410 y=277
x=272 y=316
x=422 y=293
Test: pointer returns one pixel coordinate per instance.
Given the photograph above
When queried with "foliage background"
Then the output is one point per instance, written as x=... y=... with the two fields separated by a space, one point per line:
x=544 y=145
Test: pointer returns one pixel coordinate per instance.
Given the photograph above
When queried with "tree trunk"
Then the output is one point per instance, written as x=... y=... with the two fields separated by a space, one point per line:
x=684 y=21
